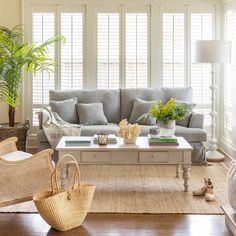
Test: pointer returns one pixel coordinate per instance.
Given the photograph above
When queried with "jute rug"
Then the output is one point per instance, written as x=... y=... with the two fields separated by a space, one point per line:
x=147 y=189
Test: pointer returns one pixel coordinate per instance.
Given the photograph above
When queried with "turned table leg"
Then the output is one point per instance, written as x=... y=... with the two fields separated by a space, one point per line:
x=186 y=176
x=178 y=171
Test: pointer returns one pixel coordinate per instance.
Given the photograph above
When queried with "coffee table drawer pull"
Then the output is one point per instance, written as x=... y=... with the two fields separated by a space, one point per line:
x=153 y=157
x=89 y=157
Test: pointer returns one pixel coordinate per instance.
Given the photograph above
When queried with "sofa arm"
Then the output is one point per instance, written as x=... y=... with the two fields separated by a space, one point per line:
x=43 y=115
x=196 y=120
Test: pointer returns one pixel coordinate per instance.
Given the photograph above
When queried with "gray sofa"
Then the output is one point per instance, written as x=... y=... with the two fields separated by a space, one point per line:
x=118 y=104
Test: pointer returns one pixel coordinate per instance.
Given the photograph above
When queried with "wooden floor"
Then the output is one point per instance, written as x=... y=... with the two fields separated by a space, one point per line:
x=119 y=224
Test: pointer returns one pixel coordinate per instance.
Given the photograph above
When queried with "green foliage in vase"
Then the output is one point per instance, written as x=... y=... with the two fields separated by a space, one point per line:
x=17 y=56
x=169 y=111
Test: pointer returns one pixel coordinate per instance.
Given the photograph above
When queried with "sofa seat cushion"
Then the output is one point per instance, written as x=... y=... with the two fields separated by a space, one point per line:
x=90 y=130
x=190 y=134
x=87 y=130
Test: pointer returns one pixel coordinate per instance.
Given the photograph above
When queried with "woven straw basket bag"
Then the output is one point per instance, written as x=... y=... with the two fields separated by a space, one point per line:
x=65 y=209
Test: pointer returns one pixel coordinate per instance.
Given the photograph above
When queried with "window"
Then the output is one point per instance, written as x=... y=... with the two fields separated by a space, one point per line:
x=108 y=50
x=72 y=51
x=179 y=34
x=201 y=28
x=42 y=29
x=136 y=50
x=112 y=45
x=230 y=21
x=173 y=49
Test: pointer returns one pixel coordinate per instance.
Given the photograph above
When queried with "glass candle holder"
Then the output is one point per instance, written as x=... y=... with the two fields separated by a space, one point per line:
x=102 y=138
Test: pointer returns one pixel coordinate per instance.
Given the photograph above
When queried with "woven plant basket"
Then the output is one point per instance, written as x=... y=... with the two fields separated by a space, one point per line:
x=65 y=209
x=20 y=131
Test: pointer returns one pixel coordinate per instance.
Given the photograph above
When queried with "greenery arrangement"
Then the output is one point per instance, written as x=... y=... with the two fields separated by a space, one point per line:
x=17 y=56
x=169 y=111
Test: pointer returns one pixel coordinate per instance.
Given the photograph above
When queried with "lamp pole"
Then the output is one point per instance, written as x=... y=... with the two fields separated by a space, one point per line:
x=212 y=154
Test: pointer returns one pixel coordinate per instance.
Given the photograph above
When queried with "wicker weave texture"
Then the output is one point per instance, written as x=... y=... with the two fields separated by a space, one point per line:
x=21 y=179
x=20 y=131
x=65 y=210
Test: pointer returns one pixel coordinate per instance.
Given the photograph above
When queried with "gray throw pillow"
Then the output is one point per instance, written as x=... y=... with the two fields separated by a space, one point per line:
x=66 y=109
x=91 y=114
x=140 y=108
x=186 y=120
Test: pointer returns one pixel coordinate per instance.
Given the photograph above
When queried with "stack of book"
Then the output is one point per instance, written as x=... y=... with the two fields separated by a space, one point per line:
x=111 y=139
x=163 y=142
x=77 y=142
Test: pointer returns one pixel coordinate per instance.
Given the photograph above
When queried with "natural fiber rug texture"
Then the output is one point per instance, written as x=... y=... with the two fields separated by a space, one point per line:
x=149 y=189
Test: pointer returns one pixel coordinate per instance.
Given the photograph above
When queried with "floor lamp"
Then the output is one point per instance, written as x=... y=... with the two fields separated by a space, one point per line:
x=213 y=51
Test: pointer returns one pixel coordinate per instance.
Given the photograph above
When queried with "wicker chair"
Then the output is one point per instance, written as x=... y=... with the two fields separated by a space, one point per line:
x=22 y=174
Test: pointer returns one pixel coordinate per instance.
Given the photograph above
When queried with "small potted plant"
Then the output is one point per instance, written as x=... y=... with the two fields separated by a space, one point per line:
x=167 y=114
x=17 y=56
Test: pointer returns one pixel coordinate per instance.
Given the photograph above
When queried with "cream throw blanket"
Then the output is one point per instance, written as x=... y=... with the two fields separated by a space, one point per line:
x=54 y=127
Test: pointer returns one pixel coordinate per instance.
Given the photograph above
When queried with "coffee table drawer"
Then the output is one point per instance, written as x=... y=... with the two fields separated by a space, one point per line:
x=153 y=157
x=124 y=157
x=95 y=157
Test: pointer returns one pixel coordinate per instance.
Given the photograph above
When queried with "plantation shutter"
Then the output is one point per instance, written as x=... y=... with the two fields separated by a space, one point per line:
x=201 y=28
x=173 y=49
x=136 y=50
x=42 y=29
x=72 y=51
x=108 y=50
x=229 y=73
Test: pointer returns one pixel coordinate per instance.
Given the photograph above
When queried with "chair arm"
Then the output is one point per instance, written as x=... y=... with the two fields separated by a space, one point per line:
x=47 y=153
x=8 y=145
x=196 y=120
x=42 y=116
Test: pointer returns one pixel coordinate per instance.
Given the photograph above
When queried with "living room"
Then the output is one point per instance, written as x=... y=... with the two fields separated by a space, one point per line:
x=136 y=99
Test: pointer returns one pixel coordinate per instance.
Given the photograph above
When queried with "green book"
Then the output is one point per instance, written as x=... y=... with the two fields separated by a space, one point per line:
x=163 y=140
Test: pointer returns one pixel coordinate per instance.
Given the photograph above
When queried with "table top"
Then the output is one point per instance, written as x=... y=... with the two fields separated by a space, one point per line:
x=140 y=145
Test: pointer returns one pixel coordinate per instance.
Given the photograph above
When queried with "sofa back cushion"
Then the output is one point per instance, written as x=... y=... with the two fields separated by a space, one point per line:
x=183 y=94
x=109 y=98
x=129 y=95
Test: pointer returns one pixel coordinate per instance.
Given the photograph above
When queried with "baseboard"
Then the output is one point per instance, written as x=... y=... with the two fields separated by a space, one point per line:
x=228 y=148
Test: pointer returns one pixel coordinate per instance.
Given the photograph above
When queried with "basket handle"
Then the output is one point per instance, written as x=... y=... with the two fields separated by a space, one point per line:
x=55 y=175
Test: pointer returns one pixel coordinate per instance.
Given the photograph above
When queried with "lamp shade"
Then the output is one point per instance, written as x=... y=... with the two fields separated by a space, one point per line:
x=213 y=51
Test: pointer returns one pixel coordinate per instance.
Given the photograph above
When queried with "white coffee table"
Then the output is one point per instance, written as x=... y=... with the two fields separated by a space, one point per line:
x=139 y=153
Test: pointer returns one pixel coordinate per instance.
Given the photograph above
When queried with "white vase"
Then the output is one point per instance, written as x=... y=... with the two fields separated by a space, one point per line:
x=167 y=127
x=231 y=186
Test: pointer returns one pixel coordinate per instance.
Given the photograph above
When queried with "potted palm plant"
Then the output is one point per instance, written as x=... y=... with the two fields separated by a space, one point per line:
x=17 y=56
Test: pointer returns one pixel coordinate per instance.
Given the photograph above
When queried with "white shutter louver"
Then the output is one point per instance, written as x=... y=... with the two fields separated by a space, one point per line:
x=136 y=50
x=72 y=51
x=230 y=21
x=173 y=49
x=108 y=50
x=42 y=29
x=201 y=28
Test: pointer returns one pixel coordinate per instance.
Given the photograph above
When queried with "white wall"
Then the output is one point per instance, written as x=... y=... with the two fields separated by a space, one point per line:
x=228 y=138
x=10 y=16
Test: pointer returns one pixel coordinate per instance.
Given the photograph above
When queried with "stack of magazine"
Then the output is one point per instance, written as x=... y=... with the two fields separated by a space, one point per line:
x=162 y=141
x=111 y=139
